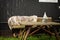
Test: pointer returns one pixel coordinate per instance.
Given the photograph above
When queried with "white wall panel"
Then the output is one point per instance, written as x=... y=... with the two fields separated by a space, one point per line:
x=52 y=1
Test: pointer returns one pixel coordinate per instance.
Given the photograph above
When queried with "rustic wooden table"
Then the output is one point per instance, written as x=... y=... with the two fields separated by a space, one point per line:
x=40 y=25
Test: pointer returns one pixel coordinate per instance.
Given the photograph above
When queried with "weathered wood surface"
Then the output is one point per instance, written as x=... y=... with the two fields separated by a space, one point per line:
x=34 y=24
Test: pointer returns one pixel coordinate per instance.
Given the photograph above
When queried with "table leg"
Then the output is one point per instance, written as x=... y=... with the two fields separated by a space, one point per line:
x=27 y=33
x=56 y=34
x=34 y=31
x=48 y=31
x=24 y=33
x=20 y=35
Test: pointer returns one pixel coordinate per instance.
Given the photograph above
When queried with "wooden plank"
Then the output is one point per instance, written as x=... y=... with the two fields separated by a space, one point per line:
x=35 y=23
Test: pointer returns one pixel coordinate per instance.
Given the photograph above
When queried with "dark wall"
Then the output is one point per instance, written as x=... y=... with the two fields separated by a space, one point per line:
x=26 y=7
x=32 y=7
x=3 y=14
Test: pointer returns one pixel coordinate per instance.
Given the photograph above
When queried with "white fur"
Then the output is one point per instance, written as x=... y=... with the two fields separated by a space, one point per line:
x=15 y=20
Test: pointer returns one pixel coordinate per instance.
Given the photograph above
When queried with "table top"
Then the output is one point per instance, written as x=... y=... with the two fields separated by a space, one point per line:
x=40 y=23
x=23 y=24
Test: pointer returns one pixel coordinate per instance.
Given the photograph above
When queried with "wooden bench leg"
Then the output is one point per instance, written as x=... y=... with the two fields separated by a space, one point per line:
x=56 y=34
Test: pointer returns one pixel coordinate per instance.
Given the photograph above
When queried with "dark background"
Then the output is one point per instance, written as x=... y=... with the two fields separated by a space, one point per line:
x=27 y=7
x=10 y=8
